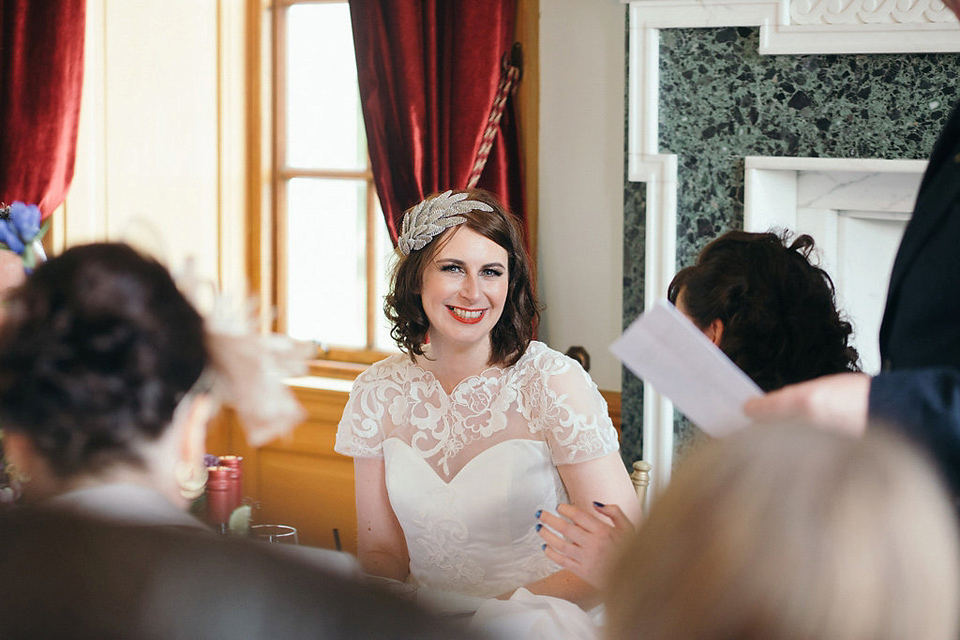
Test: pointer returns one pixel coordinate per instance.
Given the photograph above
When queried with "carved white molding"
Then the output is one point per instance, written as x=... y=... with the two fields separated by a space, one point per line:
x=659 y=172
x=815 y=26
x=801 y=27
x=853 y=12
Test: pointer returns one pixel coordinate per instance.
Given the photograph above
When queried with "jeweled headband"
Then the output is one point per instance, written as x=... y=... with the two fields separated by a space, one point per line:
x=432 y=217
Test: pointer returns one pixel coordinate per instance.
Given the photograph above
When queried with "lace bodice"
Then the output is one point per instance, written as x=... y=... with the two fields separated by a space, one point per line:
x=466 y=472
x=545 y=396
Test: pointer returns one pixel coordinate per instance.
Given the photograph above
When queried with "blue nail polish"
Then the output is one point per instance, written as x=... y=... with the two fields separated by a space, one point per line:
x=539 y=511
x=538 y=527
x=598 y=504
x=544 y=547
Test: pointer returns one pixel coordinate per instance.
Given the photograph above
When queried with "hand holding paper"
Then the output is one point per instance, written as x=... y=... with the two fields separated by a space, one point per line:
x=670 y=353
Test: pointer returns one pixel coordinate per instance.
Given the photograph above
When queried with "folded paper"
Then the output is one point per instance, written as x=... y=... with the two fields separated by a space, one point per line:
x=669 y=352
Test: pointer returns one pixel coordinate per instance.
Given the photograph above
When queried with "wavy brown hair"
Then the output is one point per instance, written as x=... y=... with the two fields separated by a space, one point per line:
x=780 y=320
x=521 y=312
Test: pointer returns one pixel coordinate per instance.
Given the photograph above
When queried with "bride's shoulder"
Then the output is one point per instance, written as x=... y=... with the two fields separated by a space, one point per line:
x=542 y=359
x=392 y=368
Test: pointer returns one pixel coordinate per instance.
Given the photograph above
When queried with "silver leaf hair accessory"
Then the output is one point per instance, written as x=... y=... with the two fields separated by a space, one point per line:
x=432 y=216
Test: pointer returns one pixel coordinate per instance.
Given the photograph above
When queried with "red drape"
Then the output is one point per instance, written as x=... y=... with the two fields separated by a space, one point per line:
x=41 y=76
x=428 y=72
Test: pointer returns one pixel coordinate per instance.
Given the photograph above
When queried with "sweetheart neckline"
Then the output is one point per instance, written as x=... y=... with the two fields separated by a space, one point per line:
x=536 y=443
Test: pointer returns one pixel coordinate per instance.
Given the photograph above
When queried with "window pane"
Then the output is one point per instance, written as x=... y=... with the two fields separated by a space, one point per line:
x=326 y=280
x=385 y=261
x=324 y=122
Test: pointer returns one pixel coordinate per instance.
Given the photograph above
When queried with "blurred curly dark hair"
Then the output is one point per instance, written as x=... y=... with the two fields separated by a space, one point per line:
x=780 y=320
x=97 y=349
x=521 y=312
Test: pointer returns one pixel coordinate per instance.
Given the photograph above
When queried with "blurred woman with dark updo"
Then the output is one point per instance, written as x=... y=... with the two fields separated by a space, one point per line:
x=767 y=306
x=102 y=388
x=761 y=299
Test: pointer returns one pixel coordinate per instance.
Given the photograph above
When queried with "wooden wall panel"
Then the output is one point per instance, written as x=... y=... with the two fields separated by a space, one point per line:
x=313 y=494
x=297 y=479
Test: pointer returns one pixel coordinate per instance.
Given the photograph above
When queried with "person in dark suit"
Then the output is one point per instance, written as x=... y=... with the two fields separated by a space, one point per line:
x=918 y=389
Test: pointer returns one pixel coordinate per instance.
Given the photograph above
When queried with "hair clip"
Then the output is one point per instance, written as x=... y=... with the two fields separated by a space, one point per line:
x=433 y=216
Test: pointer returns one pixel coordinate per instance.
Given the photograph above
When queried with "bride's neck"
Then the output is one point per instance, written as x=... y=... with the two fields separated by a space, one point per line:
x=451 y=366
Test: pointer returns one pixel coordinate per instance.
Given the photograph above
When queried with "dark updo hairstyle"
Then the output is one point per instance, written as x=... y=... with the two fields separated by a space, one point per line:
x=97 y=349
x=780 y=320
x=516 y=327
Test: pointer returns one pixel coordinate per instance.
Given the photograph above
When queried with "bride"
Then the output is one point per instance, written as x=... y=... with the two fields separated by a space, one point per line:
x=461 y=440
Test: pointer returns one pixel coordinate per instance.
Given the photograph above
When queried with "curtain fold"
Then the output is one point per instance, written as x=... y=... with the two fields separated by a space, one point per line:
x=428 y=72
x=41 y=78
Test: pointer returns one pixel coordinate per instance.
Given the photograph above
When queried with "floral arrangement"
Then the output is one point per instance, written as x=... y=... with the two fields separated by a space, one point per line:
x=21 y=232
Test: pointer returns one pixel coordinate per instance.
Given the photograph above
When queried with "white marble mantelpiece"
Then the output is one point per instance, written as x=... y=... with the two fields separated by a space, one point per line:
x=855 y=209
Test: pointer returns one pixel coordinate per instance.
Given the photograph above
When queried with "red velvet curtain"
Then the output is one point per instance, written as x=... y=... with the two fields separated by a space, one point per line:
x=428 y=72
x=41 y=76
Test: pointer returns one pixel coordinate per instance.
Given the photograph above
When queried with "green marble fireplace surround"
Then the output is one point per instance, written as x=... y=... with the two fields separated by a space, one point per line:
x=720 y=100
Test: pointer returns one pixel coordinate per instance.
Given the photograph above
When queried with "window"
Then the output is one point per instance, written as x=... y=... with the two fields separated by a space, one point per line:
x=333 y=248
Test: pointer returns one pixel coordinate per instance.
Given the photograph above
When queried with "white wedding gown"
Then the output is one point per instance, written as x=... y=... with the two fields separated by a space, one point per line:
x=467 y=472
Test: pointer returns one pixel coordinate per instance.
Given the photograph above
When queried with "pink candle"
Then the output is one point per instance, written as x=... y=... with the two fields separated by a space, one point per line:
x=235 y=489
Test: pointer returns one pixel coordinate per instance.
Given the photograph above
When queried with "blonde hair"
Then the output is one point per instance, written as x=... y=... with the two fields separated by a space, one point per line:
x=789 y=532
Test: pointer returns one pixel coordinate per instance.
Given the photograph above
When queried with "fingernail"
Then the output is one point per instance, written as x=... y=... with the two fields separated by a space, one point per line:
x=598 y=504
x=538 y=527
x=539 y=511
x=544 y=547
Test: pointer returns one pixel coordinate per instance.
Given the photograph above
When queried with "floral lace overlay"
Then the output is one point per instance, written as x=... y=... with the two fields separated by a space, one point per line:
x=467 y=471
x=441 y=547
x=545 y=396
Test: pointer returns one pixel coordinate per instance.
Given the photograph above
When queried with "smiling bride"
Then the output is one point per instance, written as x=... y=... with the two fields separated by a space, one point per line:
x=461 y=440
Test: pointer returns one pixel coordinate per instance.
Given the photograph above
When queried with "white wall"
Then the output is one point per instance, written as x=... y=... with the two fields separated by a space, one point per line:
x=581 y=160
x=160 y=164
x=149 y=167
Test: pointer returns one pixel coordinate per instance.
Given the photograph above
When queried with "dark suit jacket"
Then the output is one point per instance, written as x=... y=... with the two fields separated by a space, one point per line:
x=918 y=391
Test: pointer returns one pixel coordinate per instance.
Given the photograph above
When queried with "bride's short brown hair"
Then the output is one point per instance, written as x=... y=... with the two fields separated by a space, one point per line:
x=516 y=327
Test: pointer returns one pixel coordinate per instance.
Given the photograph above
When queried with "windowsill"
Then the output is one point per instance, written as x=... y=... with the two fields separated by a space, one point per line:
x=321 y=383
x=337 y=369
x=329 y=375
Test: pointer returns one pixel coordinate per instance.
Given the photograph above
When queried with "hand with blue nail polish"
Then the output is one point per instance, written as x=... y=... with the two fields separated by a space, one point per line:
x=585 y=542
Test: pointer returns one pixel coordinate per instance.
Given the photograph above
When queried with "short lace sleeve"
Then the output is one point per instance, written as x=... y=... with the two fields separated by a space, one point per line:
x=364 y=423
x=562 y=402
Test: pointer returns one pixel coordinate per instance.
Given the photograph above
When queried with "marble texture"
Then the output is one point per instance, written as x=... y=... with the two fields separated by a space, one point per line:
x=857 y=191
x=720 y=101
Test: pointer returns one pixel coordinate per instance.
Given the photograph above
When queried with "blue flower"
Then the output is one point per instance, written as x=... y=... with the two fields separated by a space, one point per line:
x=20 y=231
x=9 y=237
x=26 y=219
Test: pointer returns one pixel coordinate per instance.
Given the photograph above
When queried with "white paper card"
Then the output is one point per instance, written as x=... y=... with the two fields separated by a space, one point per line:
x=670 y=353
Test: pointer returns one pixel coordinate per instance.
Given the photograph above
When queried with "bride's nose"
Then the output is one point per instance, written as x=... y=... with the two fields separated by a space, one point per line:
x=470 y=287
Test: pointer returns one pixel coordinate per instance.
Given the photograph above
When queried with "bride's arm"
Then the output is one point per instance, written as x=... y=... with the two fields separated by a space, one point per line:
x=586 y=542
x=381 y=547
x=603 y=480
